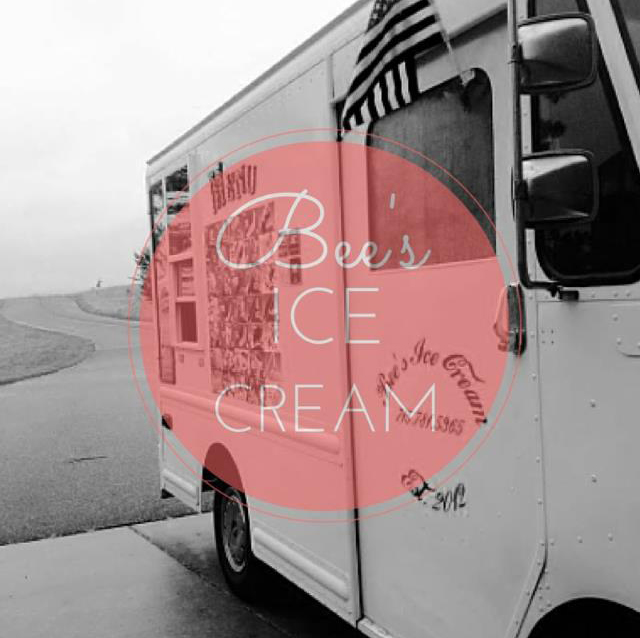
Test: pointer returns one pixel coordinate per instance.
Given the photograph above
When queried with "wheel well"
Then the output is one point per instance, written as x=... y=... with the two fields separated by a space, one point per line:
x=219 y=468
x=587 y=617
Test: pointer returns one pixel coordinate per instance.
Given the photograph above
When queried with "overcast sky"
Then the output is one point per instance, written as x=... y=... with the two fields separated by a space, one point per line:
x=89 y=90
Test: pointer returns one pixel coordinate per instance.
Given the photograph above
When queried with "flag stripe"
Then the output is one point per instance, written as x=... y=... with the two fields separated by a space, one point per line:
x=371 y=104
x=377 y=95
x=412 y=76
x=396 y=44
x=391 y=94
x=406 y=95
x=366 y=114
x=385 y=76
x=390 y=62
x=380 y=26
x=411 y=30
x=397 y=86
x=398 y=14
x=387 y=107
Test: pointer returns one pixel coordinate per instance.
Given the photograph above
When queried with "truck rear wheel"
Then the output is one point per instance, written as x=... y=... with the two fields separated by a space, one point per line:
x=242 y=571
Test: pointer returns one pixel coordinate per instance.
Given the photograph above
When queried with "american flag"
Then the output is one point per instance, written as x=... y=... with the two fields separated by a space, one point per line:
x=385 y=78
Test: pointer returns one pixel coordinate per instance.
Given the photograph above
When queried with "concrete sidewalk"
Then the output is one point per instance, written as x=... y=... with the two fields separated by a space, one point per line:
x=149 y=581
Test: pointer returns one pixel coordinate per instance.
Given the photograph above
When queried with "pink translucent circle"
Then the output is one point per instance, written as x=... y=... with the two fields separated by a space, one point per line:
x=391 y=409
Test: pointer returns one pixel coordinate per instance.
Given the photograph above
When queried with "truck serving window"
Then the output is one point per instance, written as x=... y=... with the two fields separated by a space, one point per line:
x=179 y=227
x=156 y=206
x=161 y=291
x=185 y=294
x=607 y=250
x=453 y=126
x=177 y=187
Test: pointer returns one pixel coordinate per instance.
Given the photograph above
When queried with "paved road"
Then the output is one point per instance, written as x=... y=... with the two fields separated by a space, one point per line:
x=76 y=453
x=76 y=449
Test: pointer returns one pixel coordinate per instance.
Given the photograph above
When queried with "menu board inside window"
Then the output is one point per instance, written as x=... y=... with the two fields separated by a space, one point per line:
x=241 y=315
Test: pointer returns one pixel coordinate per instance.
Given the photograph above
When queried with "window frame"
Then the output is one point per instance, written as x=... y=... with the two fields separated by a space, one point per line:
x=632 y=55
x=599 y=279
x=173 y=260
x=492 y=209
x=166 y=352
x=179 y=300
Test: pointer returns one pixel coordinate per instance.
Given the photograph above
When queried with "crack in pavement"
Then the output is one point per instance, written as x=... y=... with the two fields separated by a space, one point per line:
x=82 y=459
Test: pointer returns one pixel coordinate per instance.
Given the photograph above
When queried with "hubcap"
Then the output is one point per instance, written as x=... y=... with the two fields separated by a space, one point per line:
x=234 y=531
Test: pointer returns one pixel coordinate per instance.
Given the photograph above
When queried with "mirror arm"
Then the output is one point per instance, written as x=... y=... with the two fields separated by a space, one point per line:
x=519 y=188
x=553 y=288
x=523 y=266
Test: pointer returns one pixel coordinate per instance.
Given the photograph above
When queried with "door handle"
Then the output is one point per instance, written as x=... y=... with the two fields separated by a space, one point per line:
x=510 y=323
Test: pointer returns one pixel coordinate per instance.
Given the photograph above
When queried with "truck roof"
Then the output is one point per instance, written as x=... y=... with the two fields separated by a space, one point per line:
x=457 y=16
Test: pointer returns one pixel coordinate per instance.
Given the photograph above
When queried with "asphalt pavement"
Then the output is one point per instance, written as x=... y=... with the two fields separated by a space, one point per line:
x=78 y=454
x=77 y=450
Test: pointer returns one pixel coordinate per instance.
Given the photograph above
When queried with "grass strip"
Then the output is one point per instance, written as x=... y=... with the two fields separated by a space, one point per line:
x=27 y=352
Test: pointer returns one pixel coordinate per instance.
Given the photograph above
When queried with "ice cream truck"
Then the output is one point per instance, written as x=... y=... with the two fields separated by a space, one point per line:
x=526 y=120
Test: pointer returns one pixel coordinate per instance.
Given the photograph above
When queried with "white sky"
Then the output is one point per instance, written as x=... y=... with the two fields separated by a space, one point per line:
x=89 y=90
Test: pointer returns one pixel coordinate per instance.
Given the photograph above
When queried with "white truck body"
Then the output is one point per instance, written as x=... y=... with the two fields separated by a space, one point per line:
x=553 y=511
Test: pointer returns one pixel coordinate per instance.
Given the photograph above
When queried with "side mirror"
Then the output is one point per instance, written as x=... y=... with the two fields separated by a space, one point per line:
x=559 y=188
x=557 y=53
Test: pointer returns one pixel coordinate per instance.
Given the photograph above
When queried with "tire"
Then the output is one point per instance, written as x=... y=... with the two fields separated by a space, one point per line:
x=242 y=571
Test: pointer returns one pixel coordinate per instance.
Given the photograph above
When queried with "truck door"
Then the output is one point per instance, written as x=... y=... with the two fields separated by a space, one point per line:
x=590 y=348
x=457 y=559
